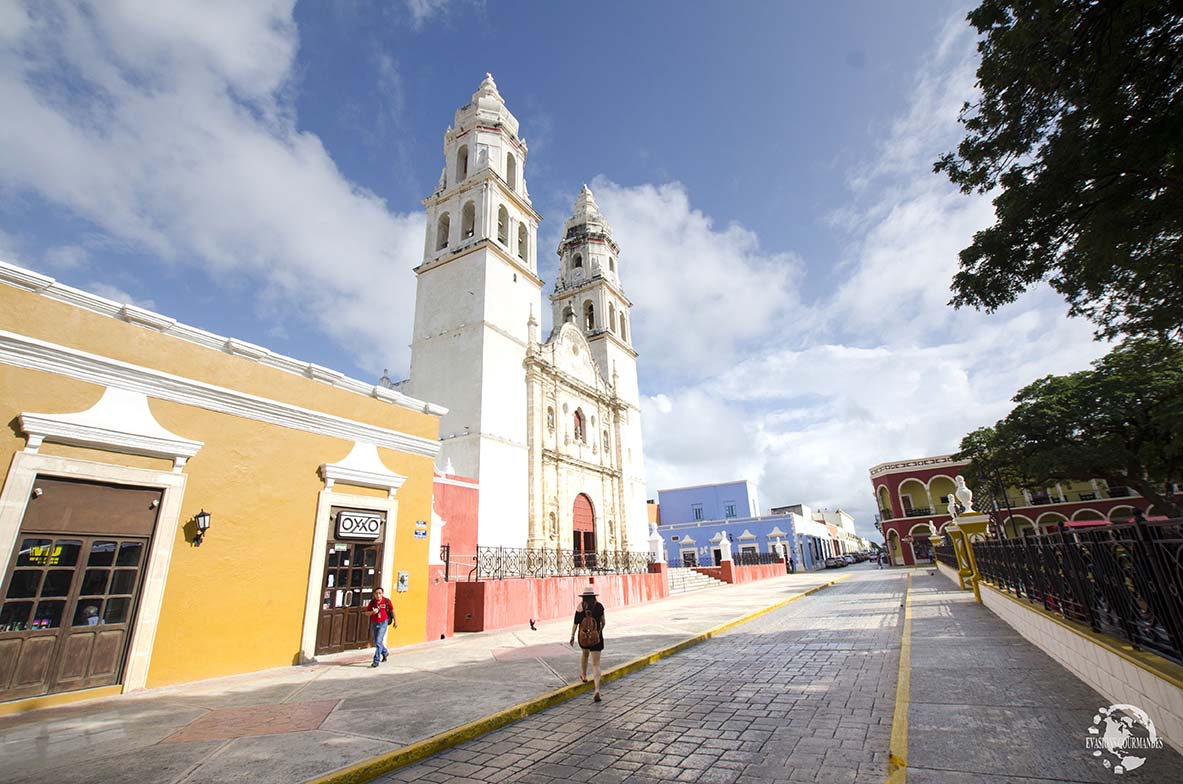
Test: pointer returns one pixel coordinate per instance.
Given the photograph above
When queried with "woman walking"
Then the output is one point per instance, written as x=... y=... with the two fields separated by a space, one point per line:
x=589 y=625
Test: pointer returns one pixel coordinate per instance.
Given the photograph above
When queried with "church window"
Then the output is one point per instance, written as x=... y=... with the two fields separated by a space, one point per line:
x=623 y=328
x=468 y=221
x=579 y=432
x=605 y=442
x=511 y=171
x=522 y=239
x=462 y=164
x=442 y=230
x=550 y=418
x=503 y=225
x=568 y=315
x=611 y=317
x=589 y=316
x=577 y=262
x=611 y=264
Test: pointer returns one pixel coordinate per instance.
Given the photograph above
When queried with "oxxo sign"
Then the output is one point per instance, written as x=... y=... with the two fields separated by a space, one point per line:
x=358 y=525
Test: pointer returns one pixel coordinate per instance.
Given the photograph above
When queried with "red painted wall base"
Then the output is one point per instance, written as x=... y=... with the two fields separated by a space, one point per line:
x=441 y=598
x=497 y=604
x=729 y=572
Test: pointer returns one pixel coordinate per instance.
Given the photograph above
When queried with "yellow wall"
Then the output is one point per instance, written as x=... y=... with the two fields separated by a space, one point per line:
x=236 y=604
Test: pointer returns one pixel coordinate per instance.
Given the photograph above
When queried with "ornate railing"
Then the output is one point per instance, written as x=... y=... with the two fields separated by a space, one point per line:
x=501 y=563
x=946 y=555
x=752 y=559
x=919 y=511
x=1124 y=579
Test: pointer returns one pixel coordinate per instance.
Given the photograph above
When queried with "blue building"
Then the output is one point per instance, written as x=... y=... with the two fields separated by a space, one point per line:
x=709 y=502
x=694 y=520
x=697 y=543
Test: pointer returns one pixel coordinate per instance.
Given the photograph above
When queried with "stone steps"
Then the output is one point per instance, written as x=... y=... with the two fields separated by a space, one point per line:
x=684 y=580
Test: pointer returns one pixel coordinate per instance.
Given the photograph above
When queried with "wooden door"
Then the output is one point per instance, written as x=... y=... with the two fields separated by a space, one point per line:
x=352 y=571
x=69 y=599
x=583 y=521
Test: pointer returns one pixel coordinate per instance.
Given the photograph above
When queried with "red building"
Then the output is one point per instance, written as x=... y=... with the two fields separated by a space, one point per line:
x=913 y=498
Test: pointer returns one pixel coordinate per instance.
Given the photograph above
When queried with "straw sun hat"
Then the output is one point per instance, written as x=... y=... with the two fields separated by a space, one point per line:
x=589 y=591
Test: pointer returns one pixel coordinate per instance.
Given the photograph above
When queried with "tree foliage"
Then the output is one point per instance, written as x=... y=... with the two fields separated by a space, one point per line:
x=1121 y=421
x=1079 y=127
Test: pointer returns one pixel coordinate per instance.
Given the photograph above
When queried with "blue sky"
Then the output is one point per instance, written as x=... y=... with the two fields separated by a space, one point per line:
x=256 y=169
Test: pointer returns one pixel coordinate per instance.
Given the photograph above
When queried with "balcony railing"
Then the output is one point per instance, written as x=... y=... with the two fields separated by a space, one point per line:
x=501 y=563
x=1118 y=579
x=919 y=511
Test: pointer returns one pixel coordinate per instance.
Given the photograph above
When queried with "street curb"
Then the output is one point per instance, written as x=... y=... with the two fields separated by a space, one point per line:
x=370 y=769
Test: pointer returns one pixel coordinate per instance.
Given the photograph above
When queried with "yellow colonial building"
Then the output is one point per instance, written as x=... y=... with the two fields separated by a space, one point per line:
x=179 y=505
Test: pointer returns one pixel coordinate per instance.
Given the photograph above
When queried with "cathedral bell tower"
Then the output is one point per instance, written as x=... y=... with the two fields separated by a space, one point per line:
x=476 y=290
x=589 y=295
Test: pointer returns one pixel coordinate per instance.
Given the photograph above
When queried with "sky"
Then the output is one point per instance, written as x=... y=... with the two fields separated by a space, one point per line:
x=257 y=170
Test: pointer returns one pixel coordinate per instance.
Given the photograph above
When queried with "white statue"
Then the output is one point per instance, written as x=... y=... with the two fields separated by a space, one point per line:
x=953 y=507
x=964 y=495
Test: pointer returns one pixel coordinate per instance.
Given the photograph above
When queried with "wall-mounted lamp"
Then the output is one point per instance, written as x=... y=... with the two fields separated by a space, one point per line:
x=201 y=520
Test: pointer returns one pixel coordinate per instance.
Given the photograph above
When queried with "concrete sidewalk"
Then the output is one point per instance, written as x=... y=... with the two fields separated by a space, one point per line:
x=987 y=705
x=298 y=723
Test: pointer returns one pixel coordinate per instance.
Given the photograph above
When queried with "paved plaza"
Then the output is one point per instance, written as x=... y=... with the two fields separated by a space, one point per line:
x=804 y=692
x=807 y=693
x=296 y=723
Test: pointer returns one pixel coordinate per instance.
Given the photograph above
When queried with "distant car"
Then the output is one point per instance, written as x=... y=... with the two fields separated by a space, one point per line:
x=849 y=558
x=834 y=562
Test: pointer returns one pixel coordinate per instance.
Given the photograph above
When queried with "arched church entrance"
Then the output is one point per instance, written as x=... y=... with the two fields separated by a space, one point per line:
x=583 y=519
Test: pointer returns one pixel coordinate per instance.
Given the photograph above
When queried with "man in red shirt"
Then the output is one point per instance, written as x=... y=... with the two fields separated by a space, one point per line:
x=381 y=616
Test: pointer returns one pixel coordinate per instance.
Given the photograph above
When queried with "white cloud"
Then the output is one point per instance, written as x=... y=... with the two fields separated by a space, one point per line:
x=169 y=126
x=67 y=257
x=700 y=292
x=814 y=394
x=422 y=10
x=119 y=295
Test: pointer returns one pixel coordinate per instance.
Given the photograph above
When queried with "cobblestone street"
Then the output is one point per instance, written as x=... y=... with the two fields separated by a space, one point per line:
x=805 y=693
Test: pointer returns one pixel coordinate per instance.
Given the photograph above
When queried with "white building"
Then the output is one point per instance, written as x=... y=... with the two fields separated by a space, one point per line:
x=550 y=429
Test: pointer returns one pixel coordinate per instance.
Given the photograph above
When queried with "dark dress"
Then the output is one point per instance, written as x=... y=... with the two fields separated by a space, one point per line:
x=597 y=613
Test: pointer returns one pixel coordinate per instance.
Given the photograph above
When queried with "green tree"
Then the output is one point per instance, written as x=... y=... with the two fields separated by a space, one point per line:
x=1121 y=421
x=1079 y=131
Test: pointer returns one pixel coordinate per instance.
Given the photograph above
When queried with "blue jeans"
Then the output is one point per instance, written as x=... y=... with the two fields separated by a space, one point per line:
x=378 y=635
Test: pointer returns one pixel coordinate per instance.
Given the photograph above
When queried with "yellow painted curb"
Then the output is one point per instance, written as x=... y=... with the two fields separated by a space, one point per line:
x=897 y=756
x=385 y=763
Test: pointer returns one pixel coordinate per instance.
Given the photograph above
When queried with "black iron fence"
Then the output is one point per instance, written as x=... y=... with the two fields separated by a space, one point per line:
x=1124 y=579
x=501 y=563
x=752 y=559
x=946 y=555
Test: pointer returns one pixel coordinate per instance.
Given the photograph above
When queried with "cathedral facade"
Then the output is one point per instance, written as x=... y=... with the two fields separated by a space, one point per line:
x=550 y=428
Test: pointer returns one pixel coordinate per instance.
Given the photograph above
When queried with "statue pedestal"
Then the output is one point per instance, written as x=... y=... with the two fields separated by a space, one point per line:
x=657 y=548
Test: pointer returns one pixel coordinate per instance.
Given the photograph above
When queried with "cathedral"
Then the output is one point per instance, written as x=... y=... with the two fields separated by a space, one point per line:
x=550 y=428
